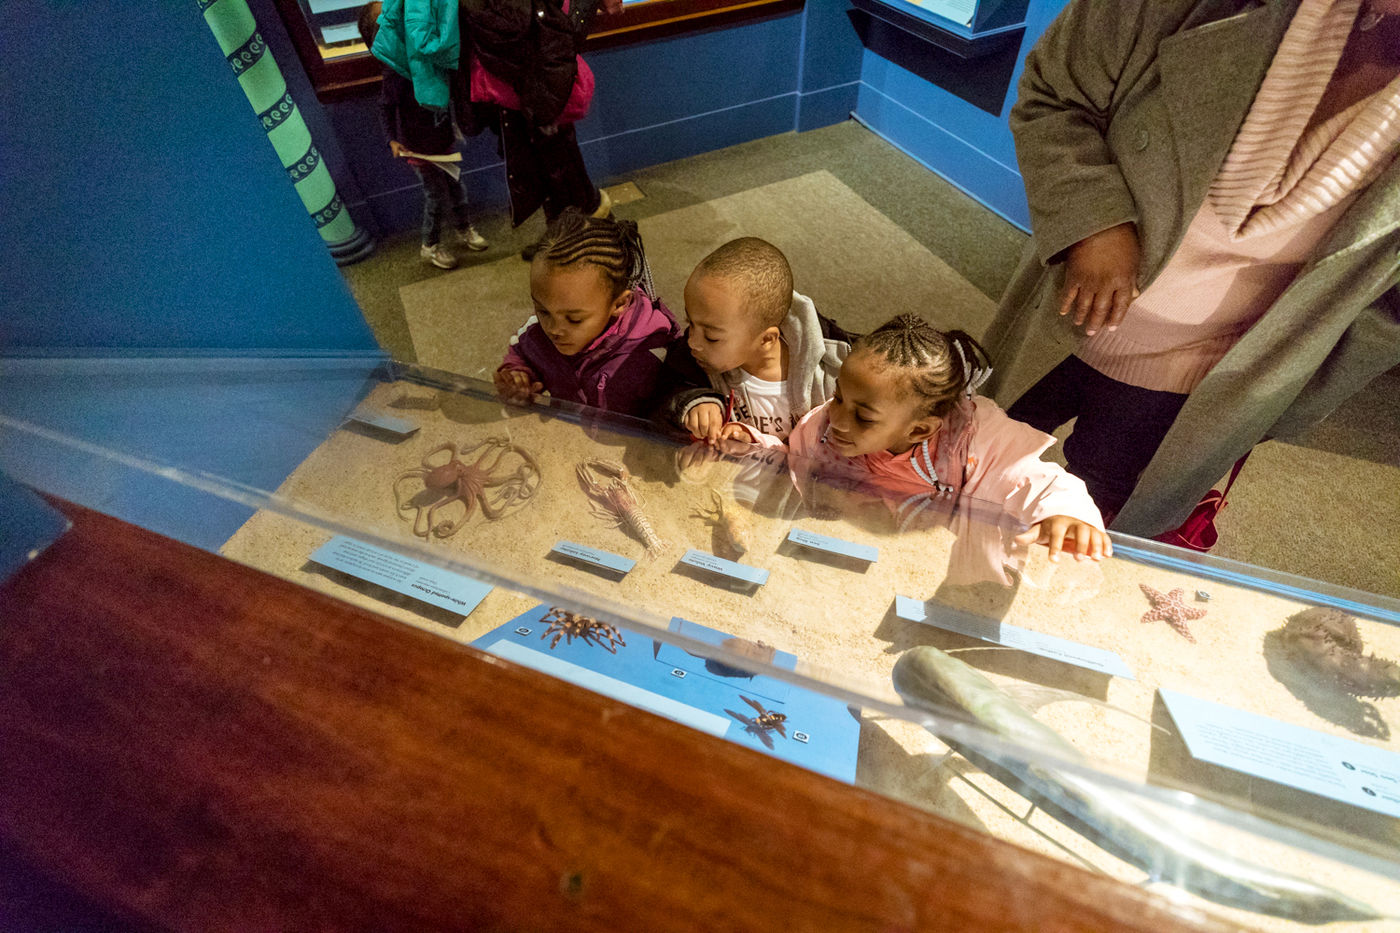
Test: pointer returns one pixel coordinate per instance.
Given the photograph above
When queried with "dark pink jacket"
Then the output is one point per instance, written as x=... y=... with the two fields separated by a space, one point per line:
x=618 y=371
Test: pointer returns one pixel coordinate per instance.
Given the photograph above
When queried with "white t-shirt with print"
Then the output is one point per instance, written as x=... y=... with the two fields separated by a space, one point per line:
x=764 y=405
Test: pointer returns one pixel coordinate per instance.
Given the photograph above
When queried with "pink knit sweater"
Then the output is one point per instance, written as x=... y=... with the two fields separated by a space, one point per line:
x=1282 y=187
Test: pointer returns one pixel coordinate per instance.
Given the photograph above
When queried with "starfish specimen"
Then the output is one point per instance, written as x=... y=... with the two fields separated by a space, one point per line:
x=1171 y=609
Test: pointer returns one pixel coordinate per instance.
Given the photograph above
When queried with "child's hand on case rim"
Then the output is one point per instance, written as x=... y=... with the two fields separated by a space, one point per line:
x=705 y=421
x=516 y=385
x=1062 y=533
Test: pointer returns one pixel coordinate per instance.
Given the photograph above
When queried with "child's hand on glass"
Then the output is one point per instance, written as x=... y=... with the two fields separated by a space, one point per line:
x=705 y=421
x=517 y=386
x=734 y=439
x=1062 y=533
x=397 y=148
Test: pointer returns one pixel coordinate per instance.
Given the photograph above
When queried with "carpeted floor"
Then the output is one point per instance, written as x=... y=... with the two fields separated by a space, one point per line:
x=870 y=233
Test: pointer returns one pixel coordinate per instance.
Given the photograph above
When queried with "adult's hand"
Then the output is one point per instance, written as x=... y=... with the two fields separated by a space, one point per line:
x=1101 y=278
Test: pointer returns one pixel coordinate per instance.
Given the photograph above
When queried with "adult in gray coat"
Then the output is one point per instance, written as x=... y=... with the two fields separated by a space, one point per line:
x=1127 y=110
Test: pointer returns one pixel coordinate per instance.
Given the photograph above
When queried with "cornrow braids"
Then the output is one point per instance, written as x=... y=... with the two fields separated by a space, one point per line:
x=614 y=246
x=941 y=366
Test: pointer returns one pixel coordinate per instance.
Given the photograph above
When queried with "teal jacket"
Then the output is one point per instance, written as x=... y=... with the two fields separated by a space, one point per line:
x=419 y=40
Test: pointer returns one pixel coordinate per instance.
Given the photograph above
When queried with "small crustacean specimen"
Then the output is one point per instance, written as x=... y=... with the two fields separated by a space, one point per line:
x=1328 y=641
x=762 y=723
x=1171 y=609
x=731 y=523
x=607 y=483
x=503 y=475
x=571 y=625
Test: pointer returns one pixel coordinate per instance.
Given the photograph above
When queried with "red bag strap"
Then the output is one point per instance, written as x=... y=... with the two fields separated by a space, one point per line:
x=1234 y=473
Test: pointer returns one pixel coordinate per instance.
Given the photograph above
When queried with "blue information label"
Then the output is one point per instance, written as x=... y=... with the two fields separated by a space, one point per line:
x=1022 y=639
x=605 y=559
x=1317 y=762
x=726 y=568
x=400 y=426
x=831 y=545
x=423 y=582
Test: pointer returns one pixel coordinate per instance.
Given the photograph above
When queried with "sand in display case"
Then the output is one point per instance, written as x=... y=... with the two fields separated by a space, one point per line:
x=1222 y=734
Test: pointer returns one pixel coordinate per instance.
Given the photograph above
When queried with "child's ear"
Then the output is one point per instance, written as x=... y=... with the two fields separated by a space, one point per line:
x=770 y=336
x=922 y=429
x=620 y=303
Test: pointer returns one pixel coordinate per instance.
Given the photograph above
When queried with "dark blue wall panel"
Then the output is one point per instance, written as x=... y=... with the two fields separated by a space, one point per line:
x=960 y=141
x=830 y=67
x=143 y=205
x=655 y=101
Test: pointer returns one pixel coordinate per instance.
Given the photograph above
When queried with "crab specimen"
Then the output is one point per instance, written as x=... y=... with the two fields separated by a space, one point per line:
x=607 y=483
x=1328 y=642
x=762 y=723
x=484 y=482
x=571 y=625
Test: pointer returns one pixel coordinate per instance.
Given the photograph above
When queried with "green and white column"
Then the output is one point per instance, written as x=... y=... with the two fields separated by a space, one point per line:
x=237 y=32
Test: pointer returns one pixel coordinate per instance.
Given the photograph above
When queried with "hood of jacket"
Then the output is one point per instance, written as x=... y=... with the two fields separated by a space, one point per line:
x=421 y=40
x=816 y=349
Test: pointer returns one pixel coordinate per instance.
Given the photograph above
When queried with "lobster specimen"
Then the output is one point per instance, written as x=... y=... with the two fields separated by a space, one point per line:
x=571 y=625
x=929 y=679
x=607 y=484
x=472 y=484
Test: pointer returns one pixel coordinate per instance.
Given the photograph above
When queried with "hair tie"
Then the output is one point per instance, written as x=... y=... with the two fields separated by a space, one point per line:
x=976 y=375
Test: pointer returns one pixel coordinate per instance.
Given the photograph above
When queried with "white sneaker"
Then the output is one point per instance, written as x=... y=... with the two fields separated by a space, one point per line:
x=472 y=240
x=438 y=255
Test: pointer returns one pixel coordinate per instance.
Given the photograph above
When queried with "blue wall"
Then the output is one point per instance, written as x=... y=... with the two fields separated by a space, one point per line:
x=656 y=101
x=143 y=206
x=960 y=141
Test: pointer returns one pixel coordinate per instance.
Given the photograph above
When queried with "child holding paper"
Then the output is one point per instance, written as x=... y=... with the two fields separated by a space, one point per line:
x=412 y=128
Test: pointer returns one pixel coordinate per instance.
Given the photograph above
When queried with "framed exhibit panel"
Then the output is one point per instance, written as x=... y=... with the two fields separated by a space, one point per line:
x=1222 y=735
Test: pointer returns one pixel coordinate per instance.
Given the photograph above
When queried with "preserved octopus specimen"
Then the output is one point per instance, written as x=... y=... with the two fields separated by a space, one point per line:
x=607 y=484
x=763 y=722
x=483 y=481
x=731 y=525
x=1327 y=641
x=571 y=625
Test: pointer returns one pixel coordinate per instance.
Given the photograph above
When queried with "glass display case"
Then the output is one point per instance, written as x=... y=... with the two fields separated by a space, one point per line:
x=1218 y=733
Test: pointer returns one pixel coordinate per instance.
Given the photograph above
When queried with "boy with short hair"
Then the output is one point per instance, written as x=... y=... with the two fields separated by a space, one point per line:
x=756 y=351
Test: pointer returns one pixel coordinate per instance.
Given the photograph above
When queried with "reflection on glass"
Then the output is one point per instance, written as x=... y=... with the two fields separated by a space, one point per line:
x=895 y=638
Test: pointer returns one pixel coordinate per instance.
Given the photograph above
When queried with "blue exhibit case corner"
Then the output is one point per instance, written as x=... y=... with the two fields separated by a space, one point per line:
x=816 y=731
x=28 y=524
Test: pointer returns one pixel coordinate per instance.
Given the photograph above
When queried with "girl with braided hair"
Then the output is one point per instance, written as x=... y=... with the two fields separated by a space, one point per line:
x=597 y=320
x=904 y=411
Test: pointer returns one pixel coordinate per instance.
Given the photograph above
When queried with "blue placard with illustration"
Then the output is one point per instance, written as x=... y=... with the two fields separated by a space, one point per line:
x=801 y=726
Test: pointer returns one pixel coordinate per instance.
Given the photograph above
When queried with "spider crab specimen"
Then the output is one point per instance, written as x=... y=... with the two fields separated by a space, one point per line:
x=503 y=475
x=607 y=483
x=571 y=625
x=763 y=722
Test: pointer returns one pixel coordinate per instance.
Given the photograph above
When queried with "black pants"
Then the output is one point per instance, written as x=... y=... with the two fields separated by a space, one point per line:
x=544 y=169
x=1118 y=430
